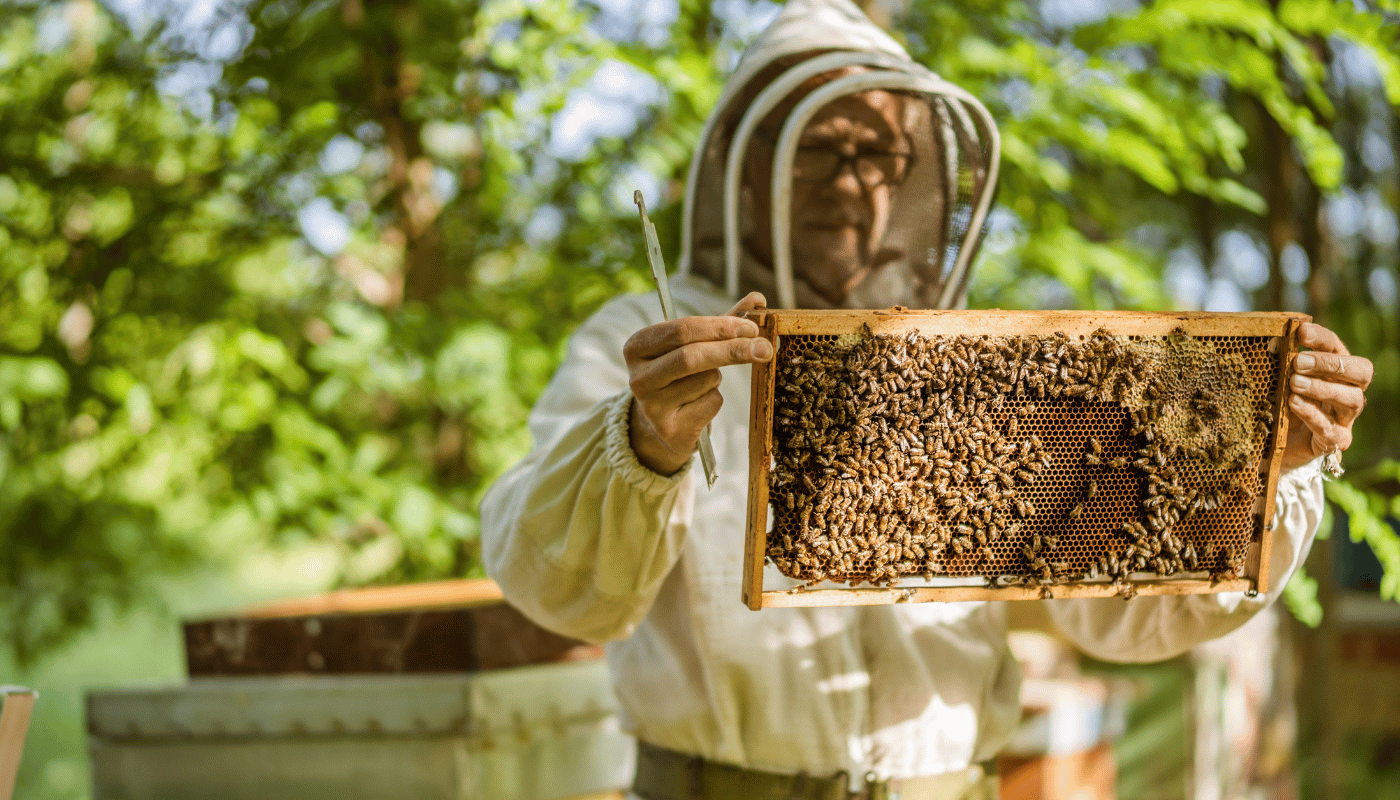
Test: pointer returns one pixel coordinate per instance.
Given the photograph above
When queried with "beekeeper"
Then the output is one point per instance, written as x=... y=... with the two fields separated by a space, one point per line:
x=834 y=172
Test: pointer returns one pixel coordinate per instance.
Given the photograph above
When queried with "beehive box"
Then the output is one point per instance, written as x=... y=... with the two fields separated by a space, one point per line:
x=440 y=626
x=544 y=732
x=426 y=690
x=976 y=455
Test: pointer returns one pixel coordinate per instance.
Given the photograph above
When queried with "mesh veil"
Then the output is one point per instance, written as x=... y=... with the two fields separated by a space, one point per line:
x=938 y=212
x=814 y=53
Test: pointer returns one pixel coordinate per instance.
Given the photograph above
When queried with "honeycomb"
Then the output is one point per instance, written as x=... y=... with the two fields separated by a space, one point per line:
x=1023 y=460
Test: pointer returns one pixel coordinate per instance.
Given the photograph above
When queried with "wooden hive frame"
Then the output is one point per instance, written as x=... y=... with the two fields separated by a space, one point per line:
x=1279 y=328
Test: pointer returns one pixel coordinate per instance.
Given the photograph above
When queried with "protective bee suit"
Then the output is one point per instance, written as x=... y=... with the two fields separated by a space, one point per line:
x=589 y=542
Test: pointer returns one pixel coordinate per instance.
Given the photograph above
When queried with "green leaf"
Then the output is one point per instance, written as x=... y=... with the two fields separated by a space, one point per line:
x=271 y=354
x=1142 y=157
x=315 y=118
x=1365 y=523
x=1236 y=193
x=30 y=379
x=1300 y=596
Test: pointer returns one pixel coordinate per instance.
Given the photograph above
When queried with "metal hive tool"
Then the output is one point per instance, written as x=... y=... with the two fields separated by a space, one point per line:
x=916 y=456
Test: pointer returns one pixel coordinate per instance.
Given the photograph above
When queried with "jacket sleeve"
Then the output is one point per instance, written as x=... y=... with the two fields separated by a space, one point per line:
x=579 y=535
x=1155 y=628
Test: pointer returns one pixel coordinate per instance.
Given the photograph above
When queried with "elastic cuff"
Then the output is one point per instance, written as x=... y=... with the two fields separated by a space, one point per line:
x=621 y=457
x=1308 y=471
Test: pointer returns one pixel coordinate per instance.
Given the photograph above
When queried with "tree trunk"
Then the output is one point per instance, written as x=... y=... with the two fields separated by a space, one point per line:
x=392 y=80
x=1280 y=226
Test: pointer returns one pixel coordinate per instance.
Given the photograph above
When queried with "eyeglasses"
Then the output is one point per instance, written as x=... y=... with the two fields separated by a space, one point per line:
x=872 y=170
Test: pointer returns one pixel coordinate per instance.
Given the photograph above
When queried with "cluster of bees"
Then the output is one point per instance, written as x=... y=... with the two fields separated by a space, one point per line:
x=905 y=456
x=1152 y=542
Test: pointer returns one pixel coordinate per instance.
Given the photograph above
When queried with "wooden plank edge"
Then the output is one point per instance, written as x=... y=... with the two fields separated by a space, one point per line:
x=959 y=594
x=1011 y=323
x=1287 y=356
x=760 y=455
x=464 y=593
x=16 y=709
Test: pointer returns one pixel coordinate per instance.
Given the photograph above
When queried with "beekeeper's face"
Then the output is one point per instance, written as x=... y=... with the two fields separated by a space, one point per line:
x=851 y=158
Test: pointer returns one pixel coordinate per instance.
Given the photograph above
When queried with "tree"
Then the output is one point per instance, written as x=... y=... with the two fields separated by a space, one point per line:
x=315 y=300
x=320 y=310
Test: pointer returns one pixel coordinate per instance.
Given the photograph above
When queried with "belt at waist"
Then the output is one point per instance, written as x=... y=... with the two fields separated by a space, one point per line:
x=668 y=775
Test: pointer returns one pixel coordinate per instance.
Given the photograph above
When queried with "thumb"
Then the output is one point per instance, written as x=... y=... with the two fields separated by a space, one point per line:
x=750 y=302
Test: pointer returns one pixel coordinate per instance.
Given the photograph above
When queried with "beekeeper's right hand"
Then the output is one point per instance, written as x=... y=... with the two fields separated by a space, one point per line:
x=674 y=376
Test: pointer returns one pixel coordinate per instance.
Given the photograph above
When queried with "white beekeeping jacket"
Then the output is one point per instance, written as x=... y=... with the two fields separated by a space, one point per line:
x=588 y=542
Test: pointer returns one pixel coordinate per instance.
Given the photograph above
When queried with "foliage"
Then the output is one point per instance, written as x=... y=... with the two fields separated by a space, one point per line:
x=184 y=373
x=316 y=301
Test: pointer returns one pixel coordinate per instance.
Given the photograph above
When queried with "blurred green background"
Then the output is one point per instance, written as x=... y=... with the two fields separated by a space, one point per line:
x=282 y=278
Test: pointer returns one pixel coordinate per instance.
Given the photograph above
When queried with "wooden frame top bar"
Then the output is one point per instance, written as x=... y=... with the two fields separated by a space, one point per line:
x=997 y=322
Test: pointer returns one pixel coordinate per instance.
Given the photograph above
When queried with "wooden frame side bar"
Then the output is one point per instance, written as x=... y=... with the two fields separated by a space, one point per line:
x=962 y=594
x=1288 y=353
x=760 y=458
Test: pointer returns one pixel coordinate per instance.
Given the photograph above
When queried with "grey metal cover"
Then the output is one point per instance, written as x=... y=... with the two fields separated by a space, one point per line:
x=531 y=733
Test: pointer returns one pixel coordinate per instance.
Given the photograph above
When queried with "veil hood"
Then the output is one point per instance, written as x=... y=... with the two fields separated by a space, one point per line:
x=937 y=217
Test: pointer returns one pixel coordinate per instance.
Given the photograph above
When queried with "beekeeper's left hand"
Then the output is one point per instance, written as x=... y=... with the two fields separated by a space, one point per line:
x=1329 y=388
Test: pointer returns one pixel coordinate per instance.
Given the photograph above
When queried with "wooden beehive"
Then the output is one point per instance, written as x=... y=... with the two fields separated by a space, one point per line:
x=979 y=455
x=438 y=627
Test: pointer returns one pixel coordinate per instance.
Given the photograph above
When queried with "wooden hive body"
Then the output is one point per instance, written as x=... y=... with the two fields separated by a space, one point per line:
x=1230 y=531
